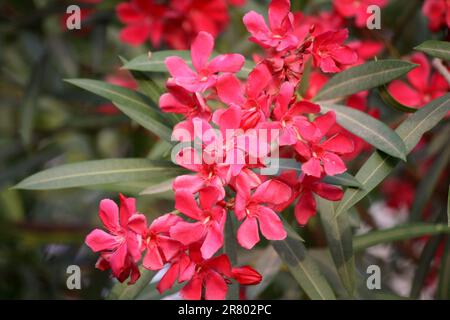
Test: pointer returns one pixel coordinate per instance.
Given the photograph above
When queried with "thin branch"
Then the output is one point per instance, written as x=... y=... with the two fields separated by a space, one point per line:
x=437 y=63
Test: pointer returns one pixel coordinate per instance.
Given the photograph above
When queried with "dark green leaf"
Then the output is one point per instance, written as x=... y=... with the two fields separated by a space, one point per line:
x=435 y=48
x=302 y=266
x=133 y=104
x=370 y=129
x=379 y=165
x=339 y=237
x=363 y=77
x=404 y=232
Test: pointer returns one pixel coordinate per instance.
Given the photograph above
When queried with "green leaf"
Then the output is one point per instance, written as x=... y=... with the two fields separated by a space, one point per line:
x=154 y=62
x=339 y=237
x=343 y=179
x=158 y=188
x=133 y=104
x=390 y=101
x=428 y=184
x=435 y=48
x=379 y=165
x=97 y=172
x=268 y=265
x=151 y=89
x=428 y=254
x=370 y=129
x=443 y=291
x=363 y=77
x=123 y=291
x=404 y=232
x=302 y=266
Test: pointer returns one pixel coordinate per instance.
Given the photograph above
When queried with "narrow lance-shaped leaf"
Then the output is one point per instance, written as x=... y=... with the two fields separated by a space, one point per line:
x=379 y=165
x=428 y=184
x=97 y=172
x=150 y=88
x=363 y=77
x=339 y=237
x=404 y=232
x=302 y=266
x=132 y=103
x=435 y=48
x=443 y=291
x=370 y=129
x=154 y=62
x=343 y=179
x=428 y=253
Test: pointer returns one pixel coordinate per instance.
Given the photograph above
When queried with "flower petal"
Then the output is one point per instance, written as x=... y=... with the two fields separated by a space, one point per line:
x=247 y=233
x=270 y=224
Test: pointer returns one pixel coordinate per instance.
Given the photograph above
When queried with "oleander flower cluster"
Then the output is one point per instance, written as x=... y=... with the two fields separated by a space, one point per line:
x=231 y=131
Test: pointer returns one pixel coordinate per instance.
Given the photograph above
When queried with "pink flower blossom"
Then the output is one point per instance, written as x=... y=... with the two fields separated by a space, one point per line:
x=252 y=210
x=423 y=84
x=280 y=35
x=205 y=74
x=323 y=155
x=438 y=14
x=120 y=248
x=357 y=9
x=330 y=54
x=210 y=219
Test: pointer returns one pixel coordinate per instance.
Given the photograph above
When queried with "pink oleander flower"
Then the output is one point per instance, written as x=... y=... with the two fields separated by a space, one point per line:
x=357 y=9
x=143 y=19
x=253 y=209
x=280 y=35
x=205 y=74
x=423 y=84
x=290 y=117
x=161 y=248
x=176 y=22
x=181 y=101
x=321 y=155
x=186 y=18
x=438 y=14
x=303 y=188
x=330 y=54
x=210 y=220
x=212 y=277
x=120 y=249
x=251 y=98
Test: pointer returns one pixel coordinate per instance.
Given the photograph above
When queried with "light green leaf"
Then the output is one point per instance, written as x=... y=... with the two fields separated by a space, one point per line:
x=379 y=165
x=363 y=77
x=133 y=104
x=339 y=237
x=97 y=172
x=404 y=232
x=154 y=62
x=368 y=128
x=435 y=48
x=302 y=266
x=158 y=188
